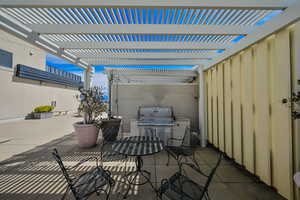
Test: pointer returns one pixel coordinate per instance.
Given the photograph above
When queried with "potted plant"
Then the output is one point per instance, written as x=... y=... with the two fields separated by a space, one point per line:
x=79 y=112
x=110 y=128
x=43 y=112
x=92 y=105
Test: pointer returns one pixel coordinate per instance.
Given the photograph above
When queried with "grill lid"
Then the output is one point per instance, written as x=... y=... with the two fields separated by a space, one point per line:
x=155 y=112
x=155 y=115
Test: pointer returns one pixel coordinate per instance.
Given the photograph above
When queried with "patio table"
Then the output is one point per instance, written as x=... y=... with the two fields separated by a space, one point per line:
x=138 y=146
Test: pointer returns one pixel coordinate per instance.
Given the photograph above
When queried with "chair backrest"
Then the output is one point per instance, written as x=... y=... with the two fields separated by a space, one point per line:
x=211 y=175
x=63 y=169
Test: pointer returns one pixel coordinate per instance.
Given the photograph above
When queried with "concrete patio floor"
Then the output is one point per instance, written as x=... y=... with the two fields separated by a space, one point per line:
x=33 y=174
x=23 y=135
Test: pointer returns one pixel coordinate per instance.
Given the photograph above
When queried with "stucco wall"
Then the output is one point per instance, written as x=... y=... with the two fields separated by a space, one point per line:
x=183 y=98
x=20 y=96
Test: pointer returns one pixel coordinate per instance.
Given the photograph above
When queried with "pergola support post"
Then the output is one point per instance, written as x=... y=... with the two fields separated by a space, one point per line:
x=202 y=108
x=110 y=81
x=87 y=77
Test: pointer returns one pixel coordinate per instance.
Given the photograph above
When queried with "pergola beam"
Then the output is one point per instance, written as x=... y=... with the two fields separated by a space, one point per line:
x=161 y=72
x=99 y=61
x=244 y=4
x=15 y=28
x=141 y=29
x=142 y=45
x=147 y=55
x=170 y=74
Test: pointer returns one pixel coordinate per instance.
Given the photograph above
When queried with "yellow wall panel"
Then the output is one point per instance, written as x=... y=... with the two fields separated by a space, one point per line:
x=227 y=108
x=221 y=107
x=207 y=102
x=281 y=116
x=261 y=100
x=236 y=108
x=247 y=109
x=246 y=117
x=215 y=107
x=209 y=107
x=295 y=62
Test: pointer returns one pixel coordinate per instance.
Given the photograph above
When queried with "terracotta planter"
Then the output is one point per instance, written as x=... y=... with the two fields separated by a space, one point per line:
x=87 y=134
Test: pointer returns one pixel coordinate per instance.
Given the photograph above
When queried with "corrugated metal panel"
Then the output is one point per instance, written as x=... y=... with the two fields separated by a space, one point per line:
x=39 y=75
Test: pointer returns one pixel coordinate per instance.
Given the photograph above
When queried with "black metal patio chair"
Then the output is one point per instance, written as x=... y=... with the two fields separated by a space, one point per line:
x=96 y=180
x=184 y=150
x=181 y=187
x=110 y=134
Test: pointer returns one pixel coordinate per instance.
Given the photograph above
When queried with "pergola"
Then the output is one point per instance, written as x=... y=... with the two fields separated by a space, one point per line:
x=116 y=32
x=200 y=33
x=217 y=38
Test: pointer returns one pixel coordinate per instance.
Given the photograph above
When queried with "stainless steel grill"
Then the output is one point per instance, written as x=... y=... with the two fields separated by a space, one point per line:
x=155 y=116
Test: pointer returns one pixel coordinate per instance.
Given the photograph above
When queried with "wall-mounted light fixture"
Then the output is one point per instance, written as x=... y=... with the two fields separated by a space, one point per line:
x=31 y=52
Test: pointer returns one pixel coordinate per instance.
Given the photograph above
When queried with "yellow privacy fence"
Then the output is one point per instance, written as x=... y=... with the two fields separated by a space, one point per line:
x=245 y=115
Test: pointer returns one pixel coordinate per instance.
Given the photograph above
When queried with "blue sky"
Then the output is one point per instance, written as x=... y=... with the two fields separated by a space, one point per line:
x=60 y=63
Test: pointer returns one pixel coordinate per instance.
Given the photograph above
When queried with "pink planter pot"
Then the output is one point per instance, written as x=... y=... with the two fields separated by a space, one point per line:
x=87 y=134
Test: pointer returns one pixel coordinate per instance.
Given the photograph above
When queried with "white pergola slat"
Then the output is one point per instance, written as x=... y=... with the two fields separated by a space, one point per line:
x=139 y=38
x=141 y=29
x=265 y=4
x=118 y=61
x=141 y=45
x=147 y=55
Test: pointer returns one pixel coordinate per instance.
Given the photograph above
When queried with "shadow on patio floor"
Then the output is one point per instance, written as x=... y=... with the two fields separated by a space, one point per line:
x=35 y=175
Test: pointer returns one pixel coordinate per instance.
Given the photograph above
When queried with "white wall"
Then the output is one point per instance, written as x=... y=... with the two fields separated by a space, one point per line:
x=183 y=98
x=18 y=97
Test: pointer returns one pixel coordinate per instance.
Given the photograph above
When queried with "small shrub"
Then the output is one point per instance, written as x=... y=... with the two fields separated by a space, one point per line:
x=41 y=109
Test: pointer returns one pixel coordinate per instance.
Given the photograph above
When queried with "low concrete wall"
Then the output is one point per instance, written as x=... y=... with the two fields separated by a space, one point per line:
x=20 y=96
x=183 y=98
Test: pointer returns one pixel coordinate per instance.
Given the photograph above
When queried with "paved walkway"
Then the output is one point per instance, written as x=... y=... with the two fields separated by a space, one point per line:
x=22 y=135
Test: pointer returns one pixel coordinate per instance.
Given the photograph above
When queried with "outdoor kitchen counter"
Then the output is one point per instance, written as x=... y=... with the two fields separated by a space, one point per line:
x=178 y=129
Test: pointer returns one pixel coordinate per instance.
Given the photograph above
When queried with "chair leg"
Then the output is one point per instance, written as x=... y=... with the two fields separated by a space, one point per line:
x=168 y=158
x=195 y=161
x=64 y=196
x=206 y=195
x=108 y=192
x=179 y=159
